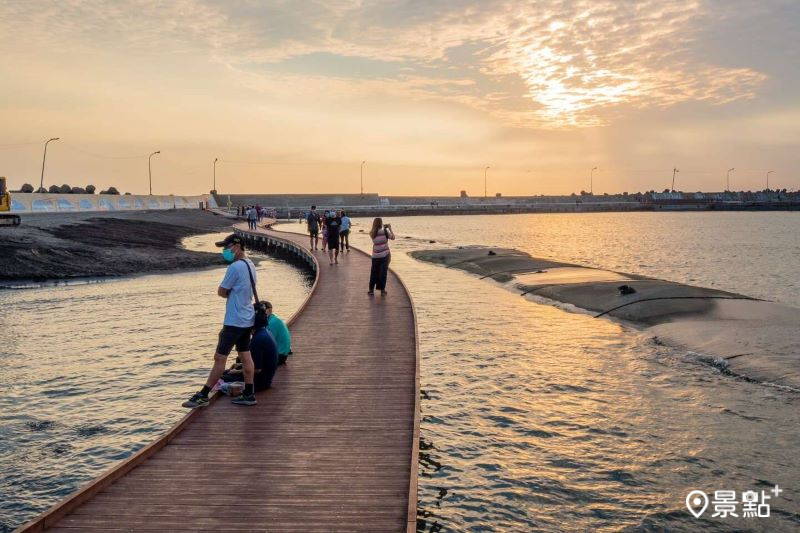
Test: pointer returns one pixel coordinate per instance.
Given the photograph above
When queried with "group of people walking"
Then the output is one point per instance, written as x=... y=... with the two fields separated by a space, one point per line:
x=335 y=228
x=255 y=214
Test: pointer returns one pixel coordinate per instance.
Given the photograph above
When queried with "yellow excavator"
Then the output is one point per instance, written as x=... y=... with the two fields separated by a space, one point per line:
x=6 y=219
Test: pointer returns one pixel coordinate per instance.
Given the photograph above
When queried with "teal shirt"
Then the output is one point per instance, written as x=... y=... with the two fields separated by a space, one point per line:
x=278 y=328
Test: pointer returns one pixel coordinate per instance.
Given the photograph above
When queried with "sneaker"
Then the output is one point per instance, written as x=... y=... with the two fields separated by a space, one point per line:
x=198 y=400
x=245 y=400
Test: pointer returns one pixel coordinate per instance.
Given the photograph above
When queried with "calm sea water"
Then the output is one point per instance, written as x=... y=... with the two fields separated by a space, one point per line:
x=534 y=419
x=91 y=373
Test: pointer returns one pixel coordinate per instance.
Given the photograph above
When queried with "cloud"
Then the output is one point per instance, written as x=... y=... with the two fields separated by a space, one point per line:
x=553 y=64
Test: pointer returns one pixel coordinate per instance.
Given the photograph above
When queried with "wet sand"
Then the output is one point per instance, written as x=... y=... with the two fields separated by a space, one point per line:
x=50 y=246
x=750 y=338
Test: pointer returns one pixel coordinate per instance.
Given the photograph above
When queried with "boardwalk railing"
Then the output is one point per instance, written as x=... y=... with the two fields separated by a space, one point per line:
x=332 y=446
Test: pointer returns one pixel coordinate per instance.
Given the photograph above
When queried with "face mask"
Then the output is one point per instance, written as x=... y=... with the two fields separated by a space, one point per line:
x=227 y=255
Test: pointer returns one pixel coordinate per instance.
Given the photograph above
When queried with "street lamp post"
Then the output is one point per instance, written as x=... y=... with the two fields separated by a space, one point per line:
x=728 y=180
x=591 y=181
x=768 y=173
x=362 y=178
x=215 y=174
x=674 y=171
x=44 y=157
x=485 y=170
x=150 y=170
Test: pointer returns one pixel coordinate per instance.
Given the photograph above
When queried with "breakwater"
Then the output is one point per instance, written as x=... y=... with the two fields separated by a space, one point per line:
x=294 y=205
x=77 y=203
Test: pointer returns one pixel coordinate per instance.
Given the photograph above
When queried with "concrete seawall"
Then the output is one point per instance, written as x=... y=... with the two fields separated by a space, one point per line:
x=71 y=203
x=747 y=337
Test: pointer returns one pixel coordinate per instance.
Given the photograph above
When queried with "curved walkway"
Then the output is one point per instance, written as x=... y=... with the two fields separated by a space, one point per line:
x=331 y=447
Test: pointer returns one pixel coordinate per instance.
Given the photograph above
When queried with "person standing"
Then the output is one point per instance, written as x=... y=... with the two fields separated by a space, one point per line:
x=333 y=222
x=252 y=217
x=323 y=223
x=237 y=289
x=344 y=232
x=381 y=255
x=312 y=220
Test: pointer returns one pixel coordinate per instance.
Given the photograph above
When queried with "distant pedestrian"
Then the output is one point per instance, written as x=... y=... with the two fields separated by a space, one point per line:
x=312 y=220
x=252 y=217
x=381 y=255
x=237 y=288
x=323 y=222
x=344 y=232
x=333 y=222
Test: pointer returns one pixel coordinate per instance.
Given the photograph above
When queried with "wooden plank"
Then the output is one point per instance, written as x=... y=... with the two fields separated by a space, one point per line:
x=332 y=446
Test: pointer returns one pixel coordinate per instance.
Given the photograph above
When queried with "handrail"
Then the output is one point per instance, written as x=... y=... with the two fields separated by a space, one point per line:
x=411 y=514
x=83 y=494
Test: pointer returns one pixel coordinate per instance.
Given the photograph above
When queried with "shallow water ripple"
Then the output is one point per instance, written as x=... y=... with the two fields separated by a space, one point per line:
x=536 y=419
x=92 y=373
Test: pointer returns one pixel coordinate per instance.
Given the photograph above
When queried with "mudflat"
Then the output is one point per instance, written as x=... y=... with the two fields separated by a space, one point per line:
x=747 y=337
x=60 y=246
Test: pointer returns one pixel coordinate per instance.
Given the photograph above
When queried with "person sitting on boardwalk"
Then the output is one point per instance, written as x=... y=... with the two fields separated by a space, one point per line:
x=344 y=232
x=381 y=256
x=237 y=289
x=281 y=334
x=333 y=222
x=264 y=351
x=312 y=219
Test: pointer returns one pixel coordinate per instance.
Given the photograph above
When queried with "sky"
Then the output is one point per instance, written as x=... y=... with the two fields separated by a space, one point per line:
x=292 y=96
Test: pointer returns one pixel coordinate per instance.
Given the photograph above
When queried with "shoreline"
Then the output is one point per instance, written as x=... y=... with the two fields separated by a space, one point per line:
x=52 y=248
x=747 y=337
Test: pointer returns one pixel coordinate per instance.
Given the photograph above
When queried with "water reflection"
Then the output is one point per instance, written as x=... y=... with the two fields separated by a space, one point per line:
x=535 y=419
x=91 y=373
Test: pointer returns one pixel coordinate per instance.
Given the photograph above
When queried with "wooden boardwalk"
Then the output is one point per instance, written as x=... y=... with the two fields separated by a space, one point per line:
x=332 y=446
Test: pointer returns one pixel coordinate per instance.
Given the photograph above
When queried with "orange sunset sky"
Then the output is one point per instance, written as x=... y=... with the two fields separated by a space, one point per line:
x=293 y=96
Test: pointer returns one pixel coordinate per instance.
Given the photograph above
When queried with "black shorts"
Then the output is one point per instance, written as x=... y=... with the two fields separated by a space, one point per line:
x=333 y=241
x=313 y=232
x=230 y=336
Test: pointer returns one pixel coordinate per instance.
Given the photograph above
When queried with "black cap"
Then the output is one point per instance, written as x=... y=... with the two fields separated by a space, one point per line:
x=231 y=239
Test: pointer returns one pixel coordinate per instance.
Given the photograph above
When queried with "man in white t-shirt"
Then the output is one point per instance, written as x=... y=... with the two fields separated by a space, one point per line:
x=237 y=289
